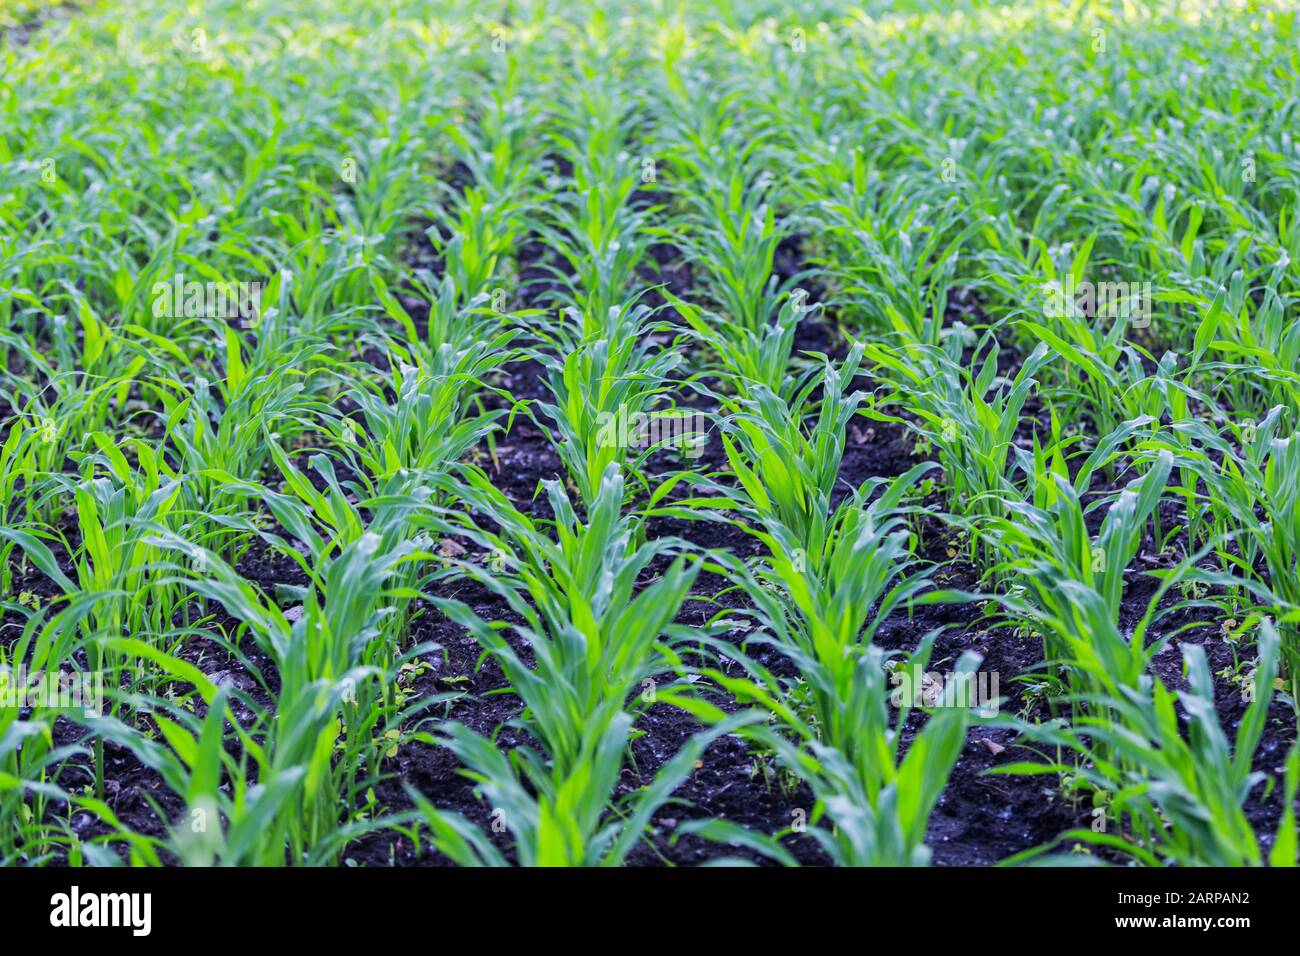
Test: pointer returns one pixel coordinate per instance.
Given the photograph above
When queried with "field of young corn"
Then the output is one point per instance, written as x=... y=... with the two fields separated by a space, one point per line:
x=584 y=433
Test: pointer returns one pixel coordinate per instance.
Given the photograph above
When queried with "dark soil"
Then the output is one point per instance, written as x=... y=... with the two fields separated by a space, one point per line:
x=979 y=820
